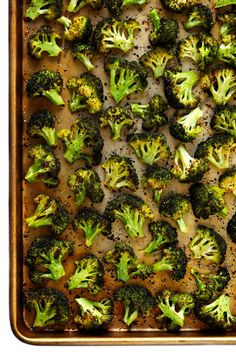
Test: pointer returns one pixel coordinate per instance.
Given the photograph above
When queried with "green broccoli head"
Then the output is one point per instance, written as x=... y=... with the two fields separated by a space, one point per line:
x=231 y=228
x=155 y=60
x=165 y=30
x=88 y=274
x=163 y=235
x=224 y=119
x=227 y=52
x=78 y=29
x=49 y=9
x=84 y=53
x=199 y=16
x=77 y=5
x=227 y=21
x=42 y=124
x=157 y=178
x=178 y=5
x=227 y=180
x=116 y=7
x=45 y=258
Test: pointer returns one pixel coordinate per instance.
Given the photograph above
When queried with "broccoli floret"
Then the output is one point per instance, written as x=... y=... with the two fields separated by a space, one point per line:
x=156 y=178
x=231 y=228
x=137 y=301
x=220 y=84
x=208 y=244
x=84 y=53
x=227 y=52
x=188 y=169
x=77 y=5
x=117 y=118
x=217 y=314
x=92 y=223
x=199 y=16
x=125 y=77
x=87 y=93
x=111 y=33
x=45 y=167
x=227 y=180
x=116 y=7
x=51 y=307
x=86 y=182
x=185 y=127
x=178 y=5
x=44 y=40
x=94 y=315
x=48 y=212
x=175 y=206
x=165 y=30
x=174 y=308
x=178 y=88
x=131 y=210
x=50 y=9
x=174 y=260
x=45 y=258
x=227 y=23
x=120 y=173
x=88 y=274
x=123 y=258
x=222 y=3
x=163 y=235
x=155 y=60
x=42 y=124
x=224 y=119
x=149 y=147
x=83 y=141
x=79 y=28
x=46 y=83
x=216 y=149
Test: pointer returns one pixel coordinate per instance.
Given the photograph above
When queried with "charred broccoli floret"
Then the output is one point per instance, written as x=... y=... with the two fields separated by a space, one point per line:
x=178 y=5
x=45 y=167
x=149 y=147
x=199 y=16
x=231 y=228
x=84 y=53
x=224 y=119
x=92 y=223
x=120 y=173
x=174 y=308
x=86 y=182
x=46 y=83
x=125 y=77
x=227 y=23
x=50 y=306
x=227 y=52
x=45 y=258
x=42 y=124
x=44 y=40
x=79 y=28
x=227 y=180
x=188 y=169
x=131 y=210
x=137 y=301
x=216 y=149
x=116 y=7
x=87 y=93
x=175 y=206
x=77 y=5
x=208 y=244
x=220 y=84
x=111 y=33
x=50 y=9
x=155 y=60
x=117 y=118
x=157 y=178
x=83 y=141
x=165 y=30
x=88 y=274
x=94 y=315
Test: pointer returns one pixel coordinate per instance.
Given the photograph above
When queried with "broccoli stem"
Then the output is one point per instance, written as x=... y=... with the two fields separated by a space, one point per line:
x=90 y=232
x=35 y=10
x=80 y=195
x=76 y=103
x=89 y=306
x=192 y=22
x=190 y=120
x=161 y=266
x=43 y=221
x=122 y=269
x=140 y=109
x=154 y=245
x=85 y=61
x=169 y=311
x=182 y=226
x=78 y=280
x=50 y=135
x=34 y=170
x=74 y=6
x=157 y=195
x=224 y=212
x=125 y=85
x=155 y=18
x=53 y=97
x=43 y=313
x=129 y=316
x=132 y=220
x=221 y=3
x=66 y=22
x=56 y=268
x=133 y=2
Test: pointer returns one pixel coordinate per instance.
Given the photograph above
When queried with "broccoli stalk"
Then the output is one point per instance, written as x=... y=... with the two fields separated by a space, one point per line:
x=50 y=9
x=77 y=5
x=42 y=123
x=165 y=30
x=199 y=16
x=116 y=7
x=222 y=3
x=163 y=234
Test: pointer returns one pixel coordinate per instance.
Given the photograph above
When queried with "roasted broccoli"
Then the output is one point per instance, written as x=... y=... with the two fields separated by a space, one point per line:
x=231 y=228
x=94 y=315
x=156 y=178
x=83 y=141
x=227 y=24
x=79 y=28
x=220 y=84
x=227 y=180
x=117 y=118
x=77 y=5
x=50 y=9
x=50 y=306
x=155 y=60
x=174 y=308
x=149 y=147
x=125 y=77
x=216 y=149
x=42 y=124
x=199 y=16
x=178 y=5
x=44 y=40
x=92 y=223
x=85 y=182
x=46 y=83
x=208 y=244
x=131 y=210
x=87 y=93
x=188 y=169
x=123 y=258
x=165 y=30
x=84 y=53
x=222 y=3
x=116 y=7
x=111 y=33
x=227 y=52
x=45 y=167
x=45 y=258
x=224 y=119
x=178 y=88
x=137 y=301
x=175 y=206
x=88 y=274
